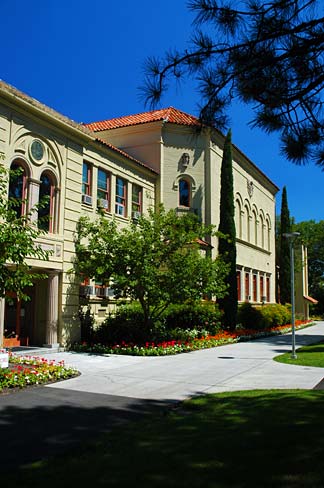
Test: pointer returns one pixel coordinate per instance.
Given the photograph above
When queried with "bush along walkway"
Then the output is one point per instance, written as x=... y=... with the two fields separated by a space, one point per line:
x=27 y=371
x=176 y=346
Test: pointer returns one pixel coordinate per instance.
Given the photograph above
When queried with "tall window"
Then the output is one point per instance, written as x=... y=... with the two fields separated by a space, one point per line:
x=268 y=235
x=247 y=287
x=18 y=188
x=262 y=287
x=86 y=179
x=46 y=199
x=255 y=224
x=268 y=289
x=121 y=196
x=103 y=189
x=137 y=193
x=262 y=230
x=254 y=287
x=184 y=193
x=238 y=282
x=247 y=217
x=238 y=219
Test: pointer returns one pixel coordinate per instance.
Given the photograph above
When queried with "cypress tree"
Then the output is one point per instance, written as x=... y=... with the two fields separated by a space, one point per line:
x=284 y=258
x=227 y=245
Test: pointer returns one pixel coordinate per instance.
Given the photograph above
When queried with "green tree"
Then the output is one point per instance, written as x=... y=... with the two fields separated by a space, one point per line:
x=227 y=244
x=312 y=236
x=156 y=260
x=17 y=242
x=284 y=257
x=266 y=54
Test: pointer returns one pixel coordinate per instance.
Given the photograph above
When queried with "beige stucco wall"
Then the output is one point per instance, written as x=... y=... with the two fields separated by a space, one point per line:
x=253 y=191
x=160 y=146
x=65 y=151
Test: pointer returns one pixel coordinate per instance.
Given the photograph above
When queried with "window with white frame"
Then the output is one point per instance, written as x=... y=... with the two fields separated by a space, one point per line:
x=103 y=189
x=121 y=197
x=137 y=200
x=17 y=191
x=46 y=210
x=86 y=178
x=184 y=192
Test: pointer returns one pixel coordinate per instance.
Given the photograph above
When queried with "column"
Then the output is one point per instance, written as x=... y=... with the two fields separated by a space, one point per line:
x=52 y=309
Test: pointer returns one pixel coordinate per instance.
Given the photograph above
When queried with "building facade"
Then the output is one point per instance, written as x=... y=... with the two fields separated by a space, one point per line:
x=188 y=159
x=64 y=161
x=121 y=166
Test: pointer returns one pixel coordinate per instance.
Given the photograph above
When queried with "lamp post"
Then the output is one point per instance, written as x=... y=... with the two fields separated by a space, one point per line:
x=291 y=237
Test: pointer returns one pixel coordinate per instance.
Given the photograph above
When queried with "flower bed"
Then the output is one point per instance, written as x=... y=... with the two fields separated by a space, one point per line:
x=175 y=347
x=27 y=370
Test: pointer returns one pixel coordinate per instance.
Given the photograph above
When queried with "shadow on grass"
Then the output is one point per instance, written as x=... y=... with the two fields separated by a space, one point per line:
x=242 y=439
x=39 y=422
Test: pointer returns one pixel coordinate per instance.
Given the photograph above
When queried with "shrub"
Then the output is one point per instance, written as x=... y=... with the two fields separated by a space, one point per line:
x=265 y=316
x=180 y=322
x=87 y=324
x=200 y=316
x=275 y=315
x=249 y=317
x=127 y=325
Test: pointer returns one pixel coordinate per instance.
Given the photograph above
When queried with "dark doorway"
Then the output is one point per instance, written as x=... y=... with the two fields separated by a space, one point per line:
x=18 y=320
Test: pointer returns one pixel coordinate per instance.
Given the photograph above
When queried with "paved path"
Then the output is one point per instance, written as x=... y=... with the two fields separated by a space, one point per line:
x=42 y=421
x=245 y=365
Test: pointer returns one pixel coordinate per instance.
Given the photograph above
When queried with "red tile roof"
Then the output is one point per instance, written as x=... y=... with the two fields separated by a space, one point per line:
x=169 y=114
x=310 y=299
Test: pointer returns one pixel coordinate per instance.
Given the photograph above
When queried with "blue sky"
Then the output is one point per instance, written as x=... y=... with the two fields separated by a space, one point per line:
x=85 y=60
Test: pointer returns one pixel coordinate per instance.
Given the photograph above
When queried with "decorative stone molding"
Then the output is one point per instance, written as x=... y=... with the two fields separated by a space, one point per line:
x=250 y=187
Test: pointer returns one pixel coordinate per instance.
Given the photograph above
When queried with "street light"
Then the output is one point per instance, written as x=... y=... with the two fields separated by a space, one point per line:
x=291 y=237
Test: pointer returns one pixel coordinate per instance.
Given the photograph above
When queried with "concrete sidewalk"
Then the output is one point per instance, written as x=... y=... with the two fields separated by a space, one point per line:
x=43 y=421
x=245 y=365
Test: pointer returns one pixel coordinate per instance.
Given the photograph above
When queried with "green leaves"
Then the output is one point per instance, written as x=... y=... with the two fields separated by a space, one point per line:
x=156 y=261
x=17 y=243
x=267 y=54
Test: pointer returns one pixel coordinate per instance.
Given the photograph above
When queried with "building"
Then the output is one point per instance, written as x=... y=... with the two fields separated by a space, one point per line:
x=188 y=159
x=303 y=300
x=123 y=166
x=65 y=161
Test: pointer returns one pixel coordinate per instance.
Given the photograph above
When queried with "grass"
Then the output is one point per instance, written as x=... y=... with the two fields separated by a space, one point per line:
x=312 y=355
x=243 y=439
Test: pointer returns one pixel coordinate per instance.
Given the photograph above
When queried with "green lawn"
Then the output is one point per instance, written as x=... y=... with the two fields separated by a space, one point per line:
x=244 y=439
x=306 y=356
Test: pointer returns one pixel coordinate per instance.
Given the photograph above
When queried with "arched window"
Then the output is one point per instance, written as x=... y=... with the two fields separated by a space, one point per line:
x=262 y=230
x=268 y=234
x=238 y=219
x=184 y=192
x=255 y=227
x=247 y=223
x=18 y=188
x=46 y=212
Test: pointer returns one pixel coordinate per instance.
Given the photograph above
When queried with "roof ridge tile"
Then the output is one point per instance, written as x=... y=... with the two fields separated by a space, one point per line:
x=168 y=114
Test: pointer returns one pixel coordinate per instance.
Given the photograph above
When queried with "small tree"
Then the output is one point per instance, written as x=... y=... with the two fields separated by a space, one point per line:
x=284 y=257
x=17 y=243
x=227 y=244
x=156 y=260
